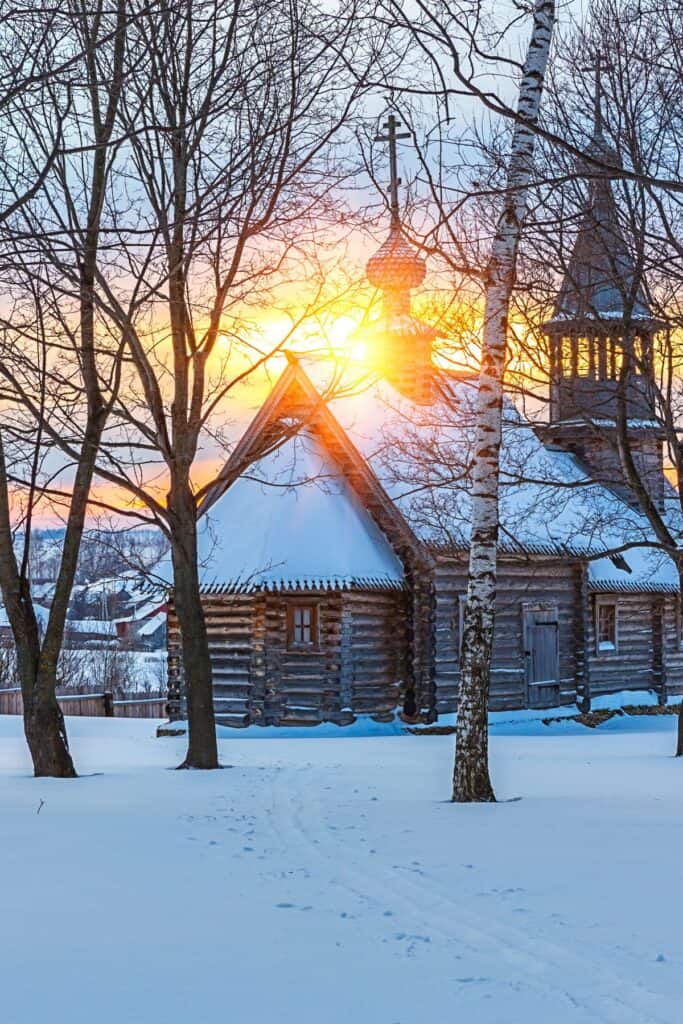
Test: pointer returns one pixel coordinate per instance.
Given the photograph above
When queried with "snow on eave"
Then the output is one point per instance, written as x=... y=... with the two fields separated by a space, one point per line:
x=601 y=314
x=152 y=624
x=607 y=586
x=583 y=421
x=278 y=586
x=511 y=547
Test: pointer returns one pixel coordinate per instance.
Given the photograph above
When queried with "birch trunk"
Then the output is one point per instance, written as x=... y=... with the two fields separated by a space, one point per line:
x=471 y=780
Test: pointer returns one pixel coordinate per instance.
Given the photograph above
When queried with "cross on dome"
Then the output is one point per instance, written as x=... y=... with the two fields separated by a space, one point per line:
x=396 y=267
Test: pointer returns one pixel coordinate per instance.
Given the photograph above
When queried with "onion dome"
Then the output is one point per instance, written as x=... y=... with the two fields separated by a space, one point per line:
x=396 y=266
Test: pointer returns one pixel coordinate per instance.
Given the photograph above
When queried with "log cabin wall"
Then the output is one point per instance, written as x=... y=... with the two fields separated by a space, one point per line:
x=302 y=685
x=231 y=623
x=362 y=664
x=673 y=649
x=647 y=655
x=358 y=668
x=358 y=664
x=538 y=581
x=375 y=655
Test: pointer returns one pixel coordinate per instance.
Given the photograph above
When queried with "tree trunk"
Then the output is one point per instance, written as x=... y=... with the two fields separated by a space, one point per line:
x=471 y=781
x=43 y=719
x=679 y=732
x=202 y=749
x=46 y=737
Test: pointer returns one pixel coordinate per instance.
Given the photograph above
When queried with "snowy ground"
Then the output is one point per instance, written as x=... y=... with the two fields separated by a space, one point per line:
x=322 y=881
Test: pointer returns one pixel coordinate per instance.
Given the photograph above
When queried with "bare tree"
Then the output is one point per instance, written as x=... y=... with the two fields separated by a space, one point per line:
x=635 y=123
x=231 y=170
x=72 y=195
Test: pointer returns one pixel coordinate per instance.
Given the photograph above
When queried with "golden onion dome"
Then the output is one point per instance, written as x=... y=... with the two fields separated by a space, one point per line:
x=396 y=266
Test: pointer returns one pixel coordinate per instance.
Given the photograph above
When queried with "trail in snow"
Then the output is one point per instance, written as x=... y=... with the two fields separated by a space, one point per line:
x=328 y=881
x=548 y=977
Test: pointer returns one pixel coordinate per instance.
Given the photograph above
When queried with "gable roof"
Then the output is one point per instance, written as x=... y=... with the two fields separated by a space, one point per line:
x=293 y=521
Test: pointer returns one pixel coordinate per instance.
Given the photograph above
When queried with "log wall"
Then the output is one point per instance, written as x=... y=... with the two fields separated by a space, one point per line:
x=648 y=655
x=358 y=666
x=673 y=651
x=544 y=580
x=363 y=665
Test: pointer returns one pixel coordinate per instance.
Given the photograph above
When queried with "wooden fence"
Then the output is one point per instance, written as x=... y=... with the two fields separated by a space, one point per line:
x=96 y=705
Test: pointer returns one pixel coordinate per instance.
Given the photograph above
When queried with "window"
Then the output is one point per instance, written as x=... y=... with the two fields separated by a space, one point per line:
x=606 y=626
x=302 y=625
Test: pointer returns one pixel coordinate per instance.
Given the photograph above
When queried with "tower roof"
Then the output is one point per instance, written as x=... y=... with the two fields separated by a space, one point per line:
x=600 y=281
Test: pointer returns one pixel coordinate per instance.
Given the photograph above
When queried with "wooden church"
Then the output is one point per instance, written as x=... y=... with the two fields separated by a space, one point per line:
x=334 y=562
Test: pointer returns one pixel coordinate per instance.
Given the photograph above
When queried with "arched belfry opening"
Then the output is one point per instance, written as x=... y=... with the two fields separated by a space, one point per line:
x=602 y=340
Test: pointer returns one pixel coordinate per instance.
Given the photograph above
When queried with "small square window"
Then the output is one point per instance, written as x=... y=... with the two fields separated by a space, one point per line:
x=302 y=625
x=606 y=626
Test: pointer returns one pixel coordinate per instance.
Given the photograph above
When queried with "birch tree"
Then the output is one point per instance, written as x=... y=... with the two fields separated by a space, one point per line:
x=471 y=780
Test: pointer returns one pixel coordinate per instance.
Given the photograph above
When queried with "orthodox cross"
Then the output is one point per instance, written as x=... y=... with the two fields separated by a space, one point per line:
x=598 y=94
x=597 y=100
x=392 y=136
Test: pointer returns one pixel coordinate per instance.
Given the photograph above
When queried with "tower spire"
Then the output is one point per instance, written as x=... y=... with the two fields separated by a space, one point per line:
x=392 y=136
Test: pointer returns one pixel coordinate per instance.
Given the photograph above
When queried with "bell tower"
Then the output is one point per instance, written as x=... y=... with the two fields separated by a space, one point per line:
x=402 y=344
x=600 y=340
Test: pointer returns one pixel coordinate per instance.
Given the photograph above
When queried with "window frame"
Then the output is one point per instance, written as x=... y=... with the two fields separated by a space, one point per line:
x=606 y=648
x=303 y=645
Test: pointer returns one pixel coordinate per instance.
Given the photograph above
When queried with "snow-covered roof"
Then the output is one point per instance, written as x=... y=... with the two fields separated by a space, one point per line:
x=548 y=504
x=635 y=569
x=142 y=611
x=103 y=627
x=292 y=520
x=42 y=614
x=152 y=624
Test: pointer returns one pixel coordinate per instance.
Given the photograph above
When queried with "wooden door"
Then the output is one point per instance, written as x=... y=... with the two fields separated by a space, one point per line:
x=542 y=655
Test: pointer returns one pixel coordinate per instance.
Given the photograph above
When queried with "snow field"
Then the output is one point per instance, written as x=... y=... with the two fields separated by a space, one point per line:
x=322 y=880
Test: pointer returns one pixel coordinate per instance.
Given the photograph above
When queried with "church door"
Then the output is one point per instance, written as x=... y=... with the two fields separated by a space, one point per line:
x=542 y=655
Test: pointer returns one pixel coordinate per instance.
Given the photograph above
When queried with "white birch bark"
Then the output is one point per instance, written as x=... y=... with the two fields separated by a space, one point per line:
x=471 y=780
